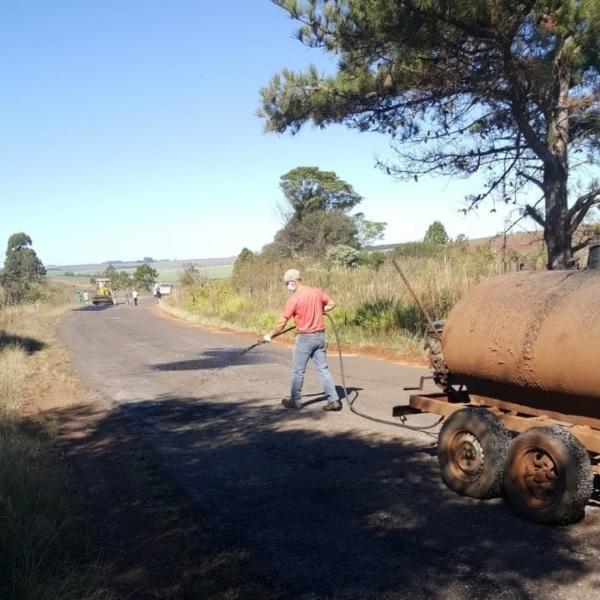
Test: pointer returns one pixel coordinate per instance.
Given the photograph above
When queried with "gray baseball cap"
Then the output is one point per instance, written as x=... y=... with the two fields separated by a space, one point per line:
x=291 y=275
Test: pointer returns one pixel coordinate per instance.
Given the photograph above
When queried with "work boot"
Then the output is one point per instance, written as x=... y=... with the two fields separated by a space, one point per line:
x=333 y=405
x=288 y=403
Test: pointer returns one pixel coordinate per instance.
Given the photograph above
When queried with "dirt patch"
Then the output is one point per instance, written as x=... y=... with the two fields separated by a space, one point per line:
x=389 y=355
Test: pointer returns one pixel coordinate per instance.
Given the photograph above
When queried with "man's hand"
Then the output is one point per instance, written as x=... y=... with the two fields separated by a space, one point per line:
x=267 y=338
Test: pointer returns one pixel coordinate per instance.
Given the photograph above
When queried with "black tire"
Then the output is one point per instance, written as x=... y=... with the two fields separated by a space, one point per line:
x=472 y=448
x=548 y=476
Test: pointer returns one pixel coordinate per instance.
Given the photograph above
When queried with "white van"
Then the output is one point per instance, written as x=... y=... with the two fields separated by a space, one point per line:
x=164 y=289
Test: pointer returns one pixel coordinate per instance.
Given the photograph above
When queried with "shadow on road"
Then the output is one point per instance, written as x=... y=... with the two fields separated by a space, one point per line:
x=315 y=514
x=218 y=358
x=95 y=308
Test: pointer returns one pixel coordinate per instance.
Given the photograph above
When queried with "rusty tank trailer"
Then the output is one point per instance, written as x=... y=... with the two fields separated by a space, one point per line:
x=537 y=332
x=518 y=364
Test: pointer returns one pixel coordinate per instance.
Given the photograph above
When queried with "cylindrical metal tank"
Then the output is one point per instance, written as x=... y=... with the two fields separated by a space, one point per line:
x=530 y=338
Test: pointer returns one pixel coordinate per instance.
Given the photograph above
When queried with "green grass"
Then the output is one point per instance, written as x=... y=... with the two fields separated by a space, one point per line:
x=165 y=274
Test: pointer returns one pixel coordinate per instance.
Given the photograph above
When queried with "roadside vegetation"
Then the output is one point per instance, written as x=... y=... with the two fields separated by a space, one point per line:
x=375 y=310
x=44 y=543
x=324 y=237
x=332 y=246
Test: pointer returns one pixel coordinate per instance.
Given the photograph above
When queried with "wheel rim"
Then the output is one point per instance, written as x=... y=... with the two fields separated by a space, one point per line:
x=539 y=478
x=467 y=457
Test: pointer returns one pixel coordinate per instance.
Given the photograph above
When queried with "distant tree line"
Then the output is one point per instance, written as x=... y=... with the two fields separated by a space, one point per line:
x=143 y=277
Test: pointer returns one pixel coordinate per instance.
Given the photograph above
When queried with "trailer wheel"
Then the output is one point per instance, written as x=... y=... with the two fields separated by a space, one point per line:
x=548 y=476
x=472 y=448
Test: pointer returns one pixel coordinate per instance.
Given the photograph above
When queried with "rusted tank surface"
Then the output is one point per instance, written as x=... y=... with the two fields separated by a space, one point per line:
x=530 y=338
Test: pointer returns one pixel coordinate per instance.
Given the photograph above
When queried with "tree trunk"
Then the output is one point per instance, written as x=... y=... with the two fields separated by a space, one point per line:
x=557 y=233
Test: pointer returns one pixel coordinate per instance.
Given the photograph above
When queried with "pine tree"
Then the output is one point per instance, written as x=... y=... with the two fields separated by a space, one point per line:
x=510 y=89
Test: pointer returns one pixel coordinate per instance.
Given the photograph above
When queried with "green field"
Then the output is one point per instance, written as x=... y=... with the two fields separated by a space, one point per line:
x=168 y=272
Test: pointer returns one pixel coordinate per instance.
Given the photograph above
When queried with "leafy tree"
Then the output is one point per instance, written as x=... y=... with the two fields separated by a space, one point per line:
x=373 y=259
x=190 y=276
x=308 y=189
x=315 y=233
x=461 y=242
x=345 y=256
x=509 y=89
x=22 y=267
x=109 y=273
x=122 y=280
x=368 y=231
x=144 y=276
x=317 y=215
x=119 y=280
x=436 y=234
x=276 y=250
x=245 y=258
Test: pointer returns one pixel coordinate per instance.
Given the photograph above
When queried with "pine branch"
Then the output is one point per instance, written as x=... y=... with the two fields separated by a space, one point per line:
x=581 y=207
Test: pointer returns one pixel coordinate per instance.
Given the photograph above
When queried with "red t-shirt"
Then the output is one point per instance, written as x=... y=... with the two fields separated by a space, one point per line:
x=306 y=305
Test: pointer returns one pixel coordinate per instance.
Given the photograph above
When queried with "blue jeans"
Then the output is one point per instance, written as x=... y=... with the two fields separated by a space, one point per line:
x=311 y=345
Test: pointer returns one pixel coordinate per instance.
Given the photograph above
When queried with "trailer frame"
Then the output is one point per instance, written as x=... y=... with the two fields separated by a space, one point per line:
x=516 y=417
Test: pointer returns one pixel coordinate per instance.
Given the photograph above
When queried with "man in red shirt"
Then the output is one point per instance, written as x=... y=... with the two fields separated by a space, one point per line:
x=306 y=306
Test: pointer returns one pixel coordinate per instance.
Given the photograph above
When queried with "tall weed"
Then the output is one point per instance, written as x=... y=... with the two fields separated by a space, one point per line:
x=14 y=371
x=374 y=306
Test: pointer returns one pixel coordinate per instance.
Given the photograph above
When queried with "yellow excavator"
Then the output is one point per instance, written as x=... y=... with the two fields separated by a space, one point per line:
x=104 y=293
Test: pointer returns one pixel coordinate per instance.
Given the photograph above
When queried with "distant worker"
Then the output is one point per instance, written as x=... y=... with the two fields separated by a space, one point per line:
x=306 y=306
x=134 y=295
x=158 y=294
x=86 y=298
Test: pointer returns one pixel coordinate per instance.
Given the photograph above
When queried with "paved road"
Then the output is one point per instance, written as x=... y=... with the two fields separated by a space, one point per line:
x=330 y=505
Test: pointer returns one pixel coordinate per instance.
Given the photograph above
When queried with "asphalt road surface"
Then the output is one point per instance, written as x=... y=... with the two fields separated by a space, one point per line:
x=328 y=504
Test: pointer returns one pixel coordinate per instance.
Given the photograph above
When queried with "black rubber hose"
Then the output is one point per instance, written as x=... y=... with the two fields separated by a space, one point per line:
x=423 y=429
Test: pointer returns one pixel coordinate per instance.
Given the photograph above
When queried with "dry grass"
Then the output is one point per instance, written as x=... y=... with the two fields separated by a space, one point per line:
x=13 y=377
x=375 y=310
x=44 y=547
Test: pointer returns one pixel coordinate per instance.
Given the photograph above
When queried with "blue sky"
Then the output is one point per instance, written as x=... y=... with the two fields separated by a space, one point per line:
x=128 y=129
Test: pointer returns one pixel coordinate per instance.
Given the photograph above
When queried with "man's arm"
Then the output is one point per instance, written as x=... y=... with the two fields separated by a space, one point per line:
x=279 y=326
x=328 y=303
